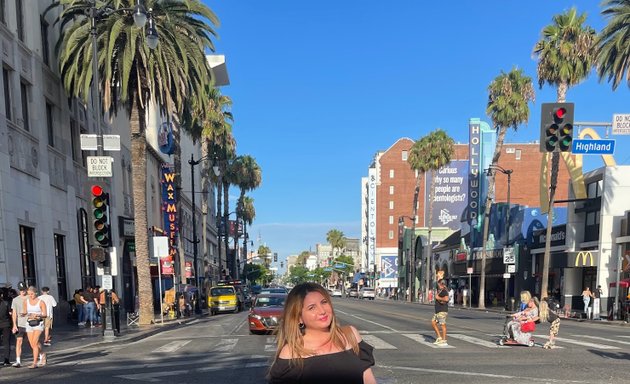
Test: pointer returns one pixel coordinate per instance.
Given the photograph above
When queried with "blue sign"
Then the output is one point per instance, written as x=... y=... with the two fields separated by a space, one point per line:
x=339 y=266
x=593 y=147
x=451 y=194
x=327 y=269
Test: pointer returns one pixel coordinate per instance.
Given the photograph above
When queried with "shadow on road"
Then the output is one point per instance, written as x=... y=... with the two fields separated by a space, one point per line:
x=611 y=355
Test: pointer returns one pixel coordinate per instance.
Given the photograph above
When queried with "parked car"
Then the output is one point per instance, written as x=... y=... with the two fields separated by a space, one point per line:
x=366 y=293
x=266 y=312
x=353 y=293
x=336 y=293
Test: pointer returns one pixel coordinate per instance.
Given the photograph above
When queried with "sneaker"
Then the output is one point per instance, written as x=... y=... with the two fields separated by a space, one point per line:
x=438 y=341
x=47 y=343
x=81 y=324
x=6 y=363
x=16 y=365
x=442 y=342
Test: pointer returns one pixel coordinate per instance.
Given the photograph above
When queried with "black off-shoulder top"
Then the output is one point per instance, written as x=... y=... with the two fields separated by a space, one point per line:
x=343 y=367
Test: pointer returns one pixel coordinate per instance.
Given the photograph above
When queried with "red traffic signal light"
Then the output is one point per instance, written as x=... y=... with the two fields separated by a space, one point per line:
x=556 y=127
x=101 y=223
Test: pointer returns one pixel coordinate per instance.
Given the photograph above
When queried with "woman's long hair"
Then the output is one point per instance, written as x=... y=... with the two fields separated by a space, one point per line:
x=543 y=311
x=289 y=332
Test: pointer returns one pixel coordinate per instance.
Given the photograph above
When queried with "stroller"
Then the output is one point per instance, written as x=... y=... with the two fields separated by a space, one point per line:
x=516 y=334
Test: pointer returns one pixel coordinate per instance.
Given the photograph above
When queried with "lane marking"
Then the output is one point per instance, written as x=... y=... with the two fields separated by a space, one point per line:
x=377 y=343
x=152 y=377
x=270 y=348
x=478 y=374
x=474 y=340
x=368 y=321
x=422 y=340
x=172 y=346
x=225 y=345
x=604 y=339
x=582 y=343
x=271 y=340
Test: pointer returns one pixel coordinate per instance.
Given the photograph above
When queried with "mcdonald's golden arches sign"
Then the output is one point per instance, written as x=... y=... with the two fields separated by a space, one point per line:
x=583 y=258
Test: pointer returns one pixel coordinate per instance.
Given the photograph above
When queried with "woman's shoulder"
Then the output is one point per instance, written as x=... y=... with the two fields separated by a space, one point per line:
x=286 y=353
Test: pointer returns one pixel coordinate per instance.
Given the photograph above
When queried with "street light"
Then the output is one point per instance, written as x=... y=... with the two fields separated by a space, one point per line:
x=508 y=172
x=95 y=14
x=217 y=173
x=409 y=263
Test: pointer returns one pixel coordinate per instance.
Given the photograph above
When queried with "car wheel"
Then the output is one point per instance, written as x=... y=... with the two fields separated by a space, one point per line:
x=253 y=332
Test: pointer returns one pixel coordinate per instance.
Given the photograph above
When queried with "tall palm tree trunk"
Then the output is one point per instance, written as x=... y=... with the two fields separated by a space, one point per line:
x=430 y=248
x=226 y=233
x=180 y=262
x=486 y=215
x=139 y=177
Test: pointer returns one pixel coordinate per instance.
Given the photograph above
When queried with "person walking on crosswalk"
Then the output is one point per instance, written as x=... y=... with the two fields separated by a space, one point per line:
x=441 y=313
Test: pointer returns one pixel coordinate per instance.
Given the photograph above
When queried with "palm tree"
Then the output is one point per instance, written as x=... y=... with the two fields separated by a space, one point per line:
x=248 y=177
x=245 y=210
x=336 y=239
x=132 y=76
x=613 y=44
x=566 y=55
x=429 y=154
x=508 y=98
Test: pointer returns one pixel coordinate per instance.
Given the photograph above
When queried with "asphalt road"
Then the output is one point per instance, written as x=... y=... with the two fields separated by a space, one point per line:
x=220 y=350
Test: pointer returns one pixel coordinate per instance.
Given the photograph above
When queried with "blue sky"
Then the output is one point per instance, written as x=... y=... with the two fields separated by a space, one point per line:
x=319 y=87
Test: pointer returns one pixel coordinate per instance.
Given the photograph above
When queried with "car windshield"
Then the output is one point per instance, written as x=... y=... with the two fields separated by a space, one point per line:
x=269 y=302
x=368 y=289
x=273 y=290
x=222 y=291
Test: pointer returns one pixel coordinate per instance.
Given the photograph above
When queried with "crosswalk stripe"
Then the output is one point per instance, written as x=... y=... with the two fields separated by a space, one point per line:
x=422 y=340
x=604 y=339
x=578 y=342
x=172 y=346
x=270 y=347
x=377 y=343
x=225 y=345
x=474 y=340
x=270 y=340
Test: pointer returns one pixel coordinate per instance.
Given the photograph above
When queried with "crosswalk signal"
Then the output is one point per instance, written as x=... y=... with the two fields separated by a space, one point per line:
x=556 y=127
x=102 y=227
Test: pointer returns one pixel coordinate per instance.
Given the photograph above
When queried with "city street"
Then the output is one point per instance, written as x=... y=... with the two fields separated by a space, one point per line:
x=220 y=350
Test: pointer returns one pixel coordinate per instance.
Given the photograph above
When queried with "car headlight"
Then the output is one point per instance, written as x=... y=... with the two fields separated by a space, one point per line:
x=255 y=316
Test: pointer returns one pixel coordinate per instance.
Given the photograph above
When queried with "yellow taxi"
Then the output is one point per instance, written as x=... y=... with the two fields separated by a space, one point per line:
x=223 y=298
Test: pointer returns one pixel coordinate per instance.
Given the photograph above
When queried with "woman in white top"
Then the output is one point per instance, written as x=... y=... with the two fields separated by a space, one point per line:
x=35 y=310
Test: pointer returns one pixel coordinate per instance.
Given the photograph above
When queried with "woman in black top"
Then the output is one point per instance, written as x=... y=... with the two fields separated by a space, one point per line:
x=547 y=314
x=314 y=348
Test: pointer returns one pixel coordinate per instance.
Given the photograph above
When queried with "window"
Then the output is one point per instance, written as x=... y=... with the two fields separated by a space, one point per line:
x=391 y=219
x=19 y=19
x=391 y=173
x=24 y=95
x=45 y=50
x=28 y=255
x=391 y=205
x=6 y=80
x=87 y=267
x=518 y=154
x=390 y=235
x=404 y=155
x=391 y=189
x=3 y=17
x=50 y=124
x=60 y=259
x=74 y=139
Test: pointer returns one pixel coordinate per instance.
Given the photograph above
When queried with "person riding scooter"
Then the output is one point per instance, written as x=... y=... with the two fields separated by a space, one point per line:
x=519 y=330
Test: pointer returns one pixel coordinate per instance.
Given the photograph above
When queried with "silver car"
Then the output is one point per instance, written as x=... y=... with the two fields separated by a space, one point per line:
x=366 y=293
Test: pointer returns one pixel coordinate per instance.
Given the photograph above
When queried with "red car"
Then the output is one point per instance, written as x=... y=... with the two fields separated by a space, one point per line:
x=266 y=312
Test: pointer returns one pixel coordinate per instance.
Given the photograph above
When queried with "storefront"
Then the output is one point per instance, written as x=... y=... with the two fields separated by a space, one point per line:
x=557 y=263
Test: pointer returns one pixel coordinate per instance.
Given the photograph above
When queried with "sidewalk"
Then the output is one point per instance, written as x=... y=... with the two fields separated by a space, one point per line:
x=67 y=337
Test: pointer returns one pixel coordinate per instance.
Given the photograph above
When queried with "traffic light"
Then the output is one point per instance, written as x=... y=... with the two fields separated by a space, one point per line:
x=275 y=257
x=102 y=228
x=556 y=127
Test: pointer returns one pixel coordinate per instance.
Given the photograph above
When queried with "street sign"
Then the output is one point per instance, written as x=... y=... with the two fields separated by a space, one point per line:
x=107 y=282
x=111 y=142
x=339 y=266
x=511 y=268
x=506 y=275
x=327 y=269
x=593 y=147
x=508 y=255
x=89 y=142
x=99 y=166
x=621 y=124
x=469 y=270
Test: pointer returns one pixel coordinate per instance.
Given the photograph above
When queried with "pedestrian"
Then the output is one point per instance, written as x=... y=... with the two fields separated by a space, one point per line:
x=35 y=315
x=597 y=294
x=547 y=314
x=451 y=297
x=115 y=311
x=80 y=304
x=97 y=310
x=441 y=313
x=465 y=294
x=90 y=306
x=18 y=310
x=586 y=298
x=51 y=303
x=314 y=348
x=5 y=326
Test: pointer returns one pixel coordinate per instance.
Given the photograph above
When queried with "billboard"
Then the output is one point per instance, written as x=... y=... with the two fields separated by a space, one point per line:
x=389 y=271
x=451 y=194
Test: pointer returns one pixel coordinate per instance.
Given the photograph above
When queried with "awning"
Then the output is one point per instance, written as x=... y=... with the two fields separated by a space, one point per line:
x=357 y=277
x=625 y=283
